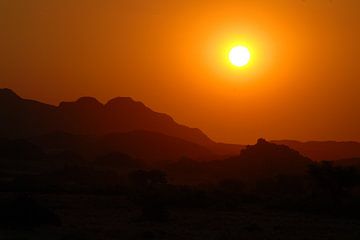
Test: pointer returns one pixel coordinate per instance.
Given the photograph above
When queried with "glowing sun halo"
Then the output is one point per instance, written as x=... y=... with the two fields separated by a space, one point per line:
x=239 y=56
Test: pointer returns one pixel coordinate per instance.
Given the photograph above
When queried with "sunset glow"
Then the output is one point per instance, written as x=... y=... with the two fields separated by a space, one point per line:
x=302 y=61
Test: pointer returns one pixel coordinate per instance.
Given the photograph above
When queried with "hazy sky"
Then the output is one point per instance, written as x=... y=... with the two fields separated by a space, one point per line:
x=303 y=81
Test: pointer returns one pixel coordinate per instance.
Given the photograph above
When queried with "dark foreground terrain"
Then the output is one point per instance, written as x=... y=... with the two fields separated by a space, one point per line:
x=87 y=170
x=114 y=217
x=268 y=191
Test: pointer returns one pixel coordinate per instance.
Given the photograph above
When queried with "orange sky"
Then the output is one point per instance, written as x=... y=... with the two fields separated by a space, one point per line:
x=303 y=81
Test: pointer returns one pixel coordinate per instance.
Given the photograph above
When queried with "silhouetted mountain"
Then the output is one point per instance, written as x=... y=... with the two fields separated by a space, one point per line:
x=21 y=118
x=263 y=160
x=326 y=150
x=87 y=116
x=138 y=144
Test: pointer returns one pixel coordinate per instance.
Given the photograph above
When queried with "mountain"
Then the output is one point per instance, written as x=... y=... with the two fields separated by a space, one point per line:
x=263 y=160
x=139 y=144
x=23 y=118
x=325 y=150
x=20 y=118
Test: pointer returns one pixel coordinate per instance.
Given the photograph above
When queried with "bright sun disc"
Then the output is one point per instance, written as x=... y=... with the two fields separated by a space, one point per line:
x=239 y=56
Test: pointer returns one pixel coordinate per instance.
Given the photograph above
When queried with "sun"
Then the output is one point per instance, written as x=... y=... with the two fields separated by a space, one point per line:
x=239 y=56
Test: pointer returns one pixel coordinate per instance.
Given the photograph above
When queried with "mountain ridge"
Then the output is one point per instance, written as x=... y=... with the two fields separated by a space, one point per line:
x=261 y=161
x=324 y=150
x=141 y=144
x=88 y=116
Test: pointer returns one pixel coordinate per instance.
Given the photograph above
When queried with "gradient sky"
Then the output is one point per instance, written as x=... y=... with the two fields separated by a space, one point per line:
x=303 y=81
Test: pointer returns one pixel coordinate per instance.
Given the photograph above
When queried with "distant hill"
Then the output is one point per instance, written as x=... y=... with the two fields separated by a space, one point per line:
x=326 y=150
x=22 y=118
x=263 y=160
